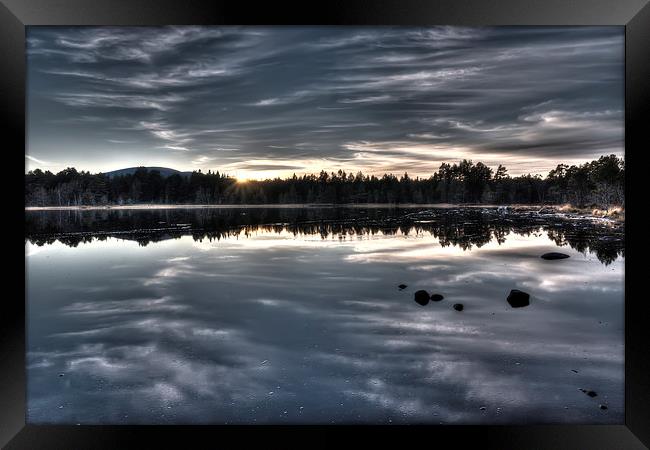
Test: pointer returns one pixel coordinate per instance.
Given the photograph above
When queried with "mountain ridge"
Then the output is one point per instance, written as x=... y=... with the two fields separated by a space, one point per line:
x=164 y=171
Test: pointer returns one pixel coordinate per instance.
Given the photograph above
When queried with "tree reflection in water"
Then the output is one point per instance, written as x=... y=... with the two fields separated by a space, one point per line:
x=464 y=228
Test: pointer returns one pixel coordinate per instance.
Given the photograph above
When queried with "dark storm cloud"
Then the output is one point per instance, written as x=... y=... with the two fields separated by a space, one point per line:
x=263 y=101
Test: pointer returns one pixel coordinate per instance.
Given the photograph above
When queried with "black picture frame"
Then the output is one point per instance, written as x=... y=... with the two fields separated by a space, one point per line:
x=633 y=14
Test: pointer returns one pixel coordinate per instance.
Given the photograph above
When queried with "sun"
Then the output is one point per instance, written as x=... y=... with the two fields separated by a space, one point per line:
x=242 y=180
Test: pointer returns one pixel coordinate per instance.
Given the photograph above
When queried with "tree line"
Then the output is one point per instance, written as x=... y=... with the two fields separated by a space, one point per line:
x=595 y=183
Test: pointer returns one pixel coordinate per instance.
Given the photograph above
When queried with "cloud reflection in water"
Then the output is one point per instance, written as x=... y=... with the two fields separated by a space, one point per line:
x=274 y=328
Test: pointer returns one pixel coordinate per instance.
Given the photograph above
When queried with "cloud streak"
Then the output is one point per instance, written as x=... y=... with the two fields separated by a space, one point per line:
x=219 y=97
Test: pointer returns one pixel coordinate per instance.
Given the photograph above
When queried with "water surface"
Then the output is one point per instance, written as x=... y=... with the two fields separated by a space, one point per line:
x=295 y=316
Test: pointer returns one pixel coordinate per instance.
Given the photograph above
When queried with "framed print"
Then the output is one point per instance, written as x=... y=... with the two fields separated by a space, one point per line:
x=405 y=217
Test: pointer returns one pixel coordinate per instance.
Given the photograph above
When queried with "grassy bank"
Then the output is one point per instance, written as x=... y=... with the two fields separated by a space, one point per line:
x=616 y=213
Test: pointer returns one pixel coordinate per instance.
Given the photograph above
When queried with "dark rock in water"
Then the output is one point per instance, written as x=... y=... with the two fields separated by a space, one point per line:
x=436 y=297
x=573 y=370
x=422 y=297
x=458 y=306
x=402 y=286
x=61 y=374
x=554 y=255
x=518 y=299
x=602 y=406
x=589 y=392
x=482 y=408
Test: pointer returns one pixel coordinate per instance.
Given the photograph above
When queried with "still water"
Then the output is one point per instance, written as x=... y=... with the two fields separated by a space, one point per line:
x=295 y=316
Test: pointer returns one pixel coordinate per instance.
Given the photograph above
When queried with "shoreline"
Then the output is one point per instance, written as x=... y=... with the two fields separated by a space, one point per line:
x=615 y=214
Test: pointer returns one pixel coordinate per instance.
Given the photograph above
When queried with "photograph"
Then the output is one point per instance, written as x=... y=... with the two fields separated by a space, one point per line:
x=325 y=225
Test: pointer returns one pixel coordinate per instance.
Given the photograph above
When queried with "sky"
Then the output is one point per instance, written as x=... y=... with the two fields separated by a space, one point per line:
x=260 y=102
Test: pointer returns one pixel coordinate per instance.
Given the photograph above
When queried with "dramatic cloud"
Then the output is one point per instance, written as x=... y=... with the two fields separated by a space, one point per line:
x=268 y=101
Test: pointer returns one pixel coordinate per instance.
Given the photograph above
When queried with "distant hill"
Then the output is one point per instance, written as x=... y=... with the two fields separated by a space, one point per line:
x=164 y=171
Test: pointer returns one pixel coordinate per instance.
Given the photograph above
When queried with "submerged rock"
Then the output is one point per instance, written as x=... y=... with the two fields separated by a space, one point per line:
x=458 y=306
x=554 y=255
x=518 y=299
x=422 y=297
x=589 y=392
x=602 y=406
x=436 y=297
x=402 y=286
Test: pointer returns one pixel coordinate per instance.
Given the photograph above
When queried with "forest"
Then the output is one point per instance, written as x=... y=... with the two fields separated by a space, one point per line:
x=596 y=183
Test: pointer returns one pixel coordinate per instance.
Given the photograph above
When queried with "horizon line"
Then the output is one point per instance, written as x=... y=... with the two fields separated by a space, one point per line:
x=347 y=172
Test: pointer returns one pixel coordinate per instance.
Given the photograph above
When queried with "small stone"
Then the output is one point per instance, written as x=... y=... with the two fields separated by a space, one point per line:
x=421 y=297
x=574 y=371
x=554 y=255
x=589 y=392
x=436 y=297
x=518 y=299
x=402 y=286
x=61 y=374
x=482 y=408
x=602 y=406
x=458 y=306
